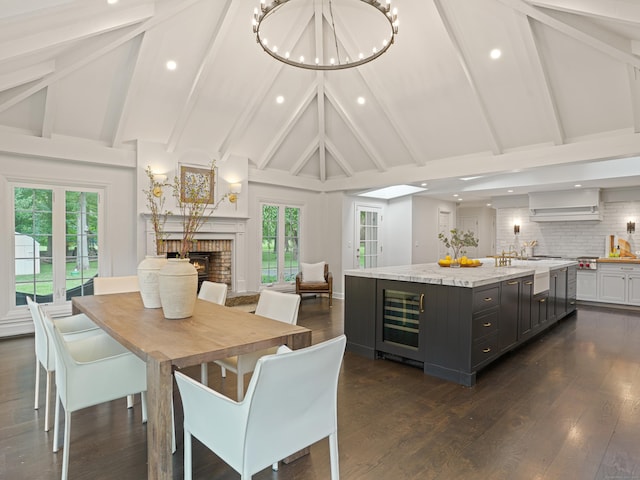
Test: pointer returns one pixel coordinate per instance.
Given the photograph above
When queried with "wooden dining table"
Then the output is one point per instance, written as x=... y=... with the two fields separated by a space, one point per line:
x=211 y=333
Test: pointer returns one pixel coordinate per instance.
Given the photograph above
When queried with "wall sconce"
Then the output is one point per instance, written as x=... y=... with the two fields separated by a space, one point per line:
x=234 y=191
x=516 y=229
x=159 y=178
x=631 y=227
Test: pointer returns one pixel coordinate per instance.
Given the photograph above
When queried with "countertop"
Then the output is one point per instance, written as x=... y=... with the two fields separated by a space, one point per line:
x=618 y=260
x=468 y=277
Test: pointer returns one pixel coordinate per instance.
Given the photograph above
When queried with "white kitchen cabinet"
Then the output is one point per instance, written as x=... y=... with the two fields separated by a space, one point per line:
x=587 y=285
x=619 y=283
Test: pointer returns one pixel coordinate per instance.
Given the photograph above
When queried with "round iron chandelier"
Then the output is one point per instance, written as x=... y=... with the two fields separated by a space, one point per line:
x=325 y=36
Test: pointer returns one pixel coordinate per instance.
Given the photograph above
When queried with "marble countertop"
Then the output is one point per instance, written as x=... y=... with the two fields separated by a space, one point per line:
x=468 y=277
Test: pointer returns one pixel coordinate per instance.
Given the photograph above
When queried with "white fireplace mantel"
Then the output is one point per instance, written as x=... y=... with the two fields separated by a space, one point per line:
x=213 y=228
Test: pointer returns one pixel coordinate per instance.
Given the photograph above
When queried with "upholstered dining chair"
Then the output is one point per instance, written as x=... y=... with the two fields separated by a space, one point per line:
x=315 y=278
x=73 y=327
x=91 y=371
x=291 y=403
x=122 y=284
x=215 y=293
x=271 y=304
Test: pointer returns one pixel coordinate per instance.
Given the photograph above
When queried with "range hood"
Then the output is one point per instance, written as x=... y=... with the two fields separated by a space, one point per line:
x=565 y=205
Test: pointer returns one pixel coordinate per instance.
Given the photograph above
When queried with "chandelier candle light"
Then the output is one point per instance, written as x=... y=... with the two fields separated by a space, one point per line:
x=363 y=16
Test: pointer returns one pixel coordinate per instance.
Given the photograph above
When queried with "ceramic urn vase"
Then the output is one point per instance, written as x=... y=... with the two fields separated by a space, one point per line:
x=148 y=270
x=178 y=287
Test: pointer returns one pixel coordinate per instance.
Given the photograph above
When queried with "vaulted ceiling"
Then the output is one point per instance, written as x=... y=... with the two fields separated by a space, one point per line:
x=87 y=76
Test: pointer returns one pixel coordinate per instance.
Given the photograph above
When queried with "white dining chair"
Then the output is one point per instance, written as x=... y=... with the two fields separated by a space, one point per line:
x=271 y=304
x=91 y=371
x=291 y=403
x=213 y=292
x=72 y=327
x=121 y=284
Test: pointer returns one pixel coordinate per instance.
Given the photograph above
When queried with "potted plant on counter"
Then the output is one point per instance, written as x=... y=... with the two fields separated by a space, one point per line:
x=193 y=191
x=457 y=241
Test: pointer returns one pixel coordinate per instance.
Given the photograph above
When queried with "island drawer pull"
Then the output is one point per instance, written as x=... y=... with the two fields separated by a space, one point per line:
x=515 y=282
x=421 y=302
x=488 y=299
x=486 y=350
x=528 y=283
x=542 y=300
x=486 y=324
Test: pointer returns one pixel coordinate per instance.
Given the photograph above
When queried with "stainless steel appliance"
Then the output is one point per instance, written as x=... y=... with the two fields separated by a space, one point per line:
x=587 y=262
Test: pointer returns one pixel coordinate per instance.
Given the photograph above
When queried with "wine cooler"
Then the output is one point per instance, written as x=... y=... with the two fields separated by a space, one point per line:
x=399 y=319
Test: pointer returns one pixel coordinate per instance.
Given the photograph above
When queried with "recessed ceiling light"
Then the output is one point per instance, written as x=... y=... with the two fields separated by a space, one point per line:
x=394 y=191
x=577 y=185
x=488 y=204
x=280 y=99
x=455 y=194
x=423 y=184
x=171 y=65
x=112 y=2
x=495 y=54
x=361 y=101
x=509 y=191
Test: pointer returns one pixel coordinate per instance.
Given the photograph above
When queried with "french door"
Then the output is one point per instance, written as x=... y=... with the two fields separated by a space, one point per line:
x=56 y=242
x=368 y=253
x=280 y=246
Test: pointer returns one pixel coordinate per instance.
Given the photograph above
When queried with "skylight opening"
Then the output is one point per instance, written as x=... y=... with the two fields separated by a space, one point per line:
x=393 y=191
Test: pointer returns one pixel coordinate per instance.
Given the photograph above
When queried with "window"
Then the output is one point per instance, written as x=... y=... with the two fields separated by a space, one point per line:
x=56 y=233
x=280 y=243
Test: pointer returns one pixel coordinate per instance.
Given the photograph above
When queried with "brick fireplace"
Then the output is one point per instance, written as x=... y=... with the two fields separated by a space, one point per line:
x=221 y=240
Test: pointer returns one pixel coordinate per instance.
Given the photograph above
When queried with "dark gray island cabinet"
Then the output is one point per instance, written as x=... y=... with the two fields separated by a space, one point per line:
x=451 y=331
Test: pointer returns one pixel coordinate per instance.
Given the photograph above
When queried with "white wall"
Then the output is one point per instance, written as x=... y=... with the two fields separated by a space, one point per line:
x=117 y=255
x=486 y=233
x=397 y=231
x=425 y=242
x=570 y=239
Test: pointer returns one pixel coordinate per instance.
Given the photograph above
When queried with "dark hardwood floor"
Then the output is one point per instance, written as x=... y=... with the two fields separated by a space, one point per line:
x=564 y=406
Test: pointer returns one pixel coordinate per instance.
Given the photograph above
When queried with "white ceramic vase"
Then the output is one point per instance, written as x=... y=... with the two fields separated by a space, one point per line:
x=148 y=270
x=178 y=287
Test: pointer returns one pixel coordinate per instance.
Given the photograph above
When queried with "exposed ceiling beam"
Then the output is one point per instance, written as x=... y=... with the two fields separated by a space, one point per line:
x=241 y=122
x=379 y=94
x=206 y=65
x=541 y=79
x=624 y=56
x=375 y=157
x=50 y=109
x=63 y=72
x=66 y=149
x=82 y=26
x=634 y=86
x=339 y=158
x=322 y=130
x=26 y=75
x=619 y=10
x=281 y=136
x=492 y=136
x=304 y=158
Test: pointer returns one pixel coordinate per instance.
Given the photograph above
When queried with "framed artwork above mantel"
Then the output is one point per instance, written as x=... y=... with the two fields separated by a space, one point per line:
x=203 y=179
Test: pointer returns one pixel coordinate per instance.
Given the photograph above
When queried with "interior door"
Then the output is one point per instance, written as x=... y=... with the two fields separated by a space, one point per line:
x=368 y=253
x=444 y=226
x=470 y=224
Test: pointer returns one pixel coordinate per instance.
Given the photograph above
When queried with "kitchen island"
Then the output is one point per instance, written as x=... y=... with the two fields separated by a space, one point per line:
x=453 y=322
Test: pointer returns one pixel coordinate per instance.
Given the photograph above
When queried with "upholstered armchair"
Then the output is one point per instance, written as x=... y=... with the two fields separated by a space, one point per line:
x=315 y=278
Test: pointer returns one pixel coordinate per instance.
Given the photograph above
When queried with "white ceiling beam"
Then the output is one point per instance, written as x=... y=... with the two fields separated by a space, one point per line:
x=379 y=94
x=541 y=79
x=241 y=122
x=634 y=87
x=206 y=65
x=322 y=131
x=26 y=75
x=61 y=73
x=619 y=10
x=50 y=105
x=375 y=157
x=66 y=149
x=280 y=137
x=297 y=167
x=84 y=26
x=339 y=158
x=624 y=56
x=492 y=136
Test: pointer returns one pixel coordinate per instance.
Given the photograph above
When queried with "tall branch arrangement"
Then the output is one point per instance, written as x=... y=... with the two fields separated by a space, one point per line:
x=458 y=241
x=155 y=204
x=192 y=194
